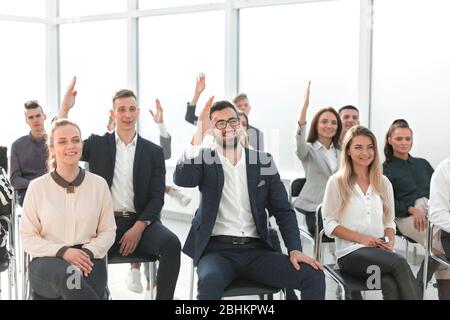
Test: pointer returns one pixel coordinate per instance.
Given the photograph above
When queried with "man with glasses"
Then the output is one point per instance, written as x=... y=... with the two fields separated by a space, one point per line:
x=29 y=153
x=229 y=236
x=240 y=101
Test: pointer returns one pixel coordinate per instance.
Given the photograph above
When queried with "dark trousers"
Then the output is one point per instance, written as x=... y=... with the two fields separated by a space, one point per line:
x=445 y=239
x=54 y=278
x=159 y=241
x=221 y=263
x=397 y=280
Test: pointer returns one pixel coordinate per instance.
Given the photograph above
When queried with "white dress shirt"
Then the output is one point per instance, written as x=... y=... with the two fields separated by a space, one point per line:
x=331 y=154
x=234 y=217
x=122 y=190
x=363 y=214
x=439 y=203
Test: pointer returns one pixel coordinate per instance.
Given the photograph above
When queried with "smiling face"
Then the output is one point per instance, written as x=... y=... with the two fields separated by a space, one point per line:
x=361 y=151
x=243 y=105
x=327 y=125
x=349 y=118
x=401 y=141
x=226 y=136
x=67 y=146
x=125 y=112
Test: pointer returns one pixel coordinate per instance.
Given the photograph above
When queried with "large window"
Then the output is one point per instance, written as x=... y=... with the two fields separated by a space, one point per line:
x=22 y=65
x=30 y=8
x=95 y=52
x=283 y=47
x=74 y=8
x=173 y=51
x=411 y=72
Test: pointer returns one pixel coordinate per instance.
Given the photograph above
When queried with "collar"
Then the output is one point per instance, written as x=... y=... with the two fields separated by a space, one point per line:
x=43 y=139
x=225 y=159
x=69 y=186
x=132 y=143
x=409 y=160
x=317 y=146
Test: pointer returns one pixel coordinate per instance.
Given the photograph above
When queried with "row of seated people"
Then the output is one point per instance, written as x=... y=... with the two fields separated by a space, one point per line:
x=206 y=243
x=331 y=179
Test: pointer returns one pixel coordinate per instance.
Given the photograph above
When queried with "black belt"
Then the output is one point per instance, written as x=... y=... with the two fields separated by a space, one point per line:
x=234 y=240
x=124 y=213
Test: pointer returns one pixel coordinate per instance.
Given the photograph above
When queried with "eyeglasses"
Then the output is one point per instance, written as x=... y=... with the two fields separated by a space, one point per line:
x=222 y=124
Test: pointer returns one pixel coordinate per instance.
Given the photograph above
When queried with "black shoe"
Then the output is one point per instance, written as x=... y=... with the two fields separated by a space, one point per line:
x=4 y=259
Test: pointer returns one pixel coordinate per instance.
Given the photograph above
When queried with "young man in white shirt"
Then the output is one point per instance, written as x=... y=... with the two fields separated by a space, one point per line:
x=229 y=237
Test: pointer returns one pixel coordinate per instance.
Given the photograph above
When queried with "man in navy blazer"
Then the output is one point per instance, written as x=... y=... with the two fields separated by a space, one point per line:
x=134 y=169
x=229 y=235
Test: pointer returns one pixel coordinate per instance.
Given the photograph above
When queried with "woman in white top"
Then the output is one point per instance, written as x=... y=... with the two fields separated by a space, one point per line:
x=319 y=154
x=67 y=223
x=358 y=210
x=439 y=212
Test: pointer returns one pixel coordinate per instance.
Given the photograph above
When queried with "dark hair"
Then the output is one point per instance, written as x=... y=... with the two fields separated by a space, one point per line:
x=388 y=150
x=313 y=134
x=220 y=105
x=32 y=104
x=348 y=107
x=123 y=93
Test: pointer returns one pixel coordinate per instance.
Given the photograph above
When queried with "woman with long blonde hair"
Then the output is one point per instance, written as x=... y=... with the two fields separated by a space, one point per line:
x=358 y=211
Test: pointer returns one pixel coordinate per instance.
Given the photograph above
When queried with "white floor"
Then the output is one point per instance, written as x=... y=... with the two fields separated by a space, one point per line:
x=117 y=273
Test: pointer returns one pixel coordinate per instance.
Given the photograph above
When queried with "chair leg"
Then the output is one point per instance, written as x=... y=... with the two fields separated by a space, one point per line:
x=152 y=268
x=191 y=284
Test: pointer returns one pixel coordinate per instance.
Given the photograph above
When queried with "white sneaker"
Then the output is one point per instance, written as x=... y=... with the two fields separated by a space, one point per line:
x=134 y=281
x=182 y=198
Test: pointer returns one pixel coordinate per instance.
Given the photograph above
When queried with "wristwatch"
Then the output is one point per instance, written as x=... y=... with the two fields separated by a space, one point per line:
x=147 y=222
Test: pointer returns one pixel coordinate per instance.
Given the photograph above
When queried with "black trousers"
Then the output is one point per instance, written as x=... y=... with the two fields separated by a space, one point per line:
x=159 y=241
x=54 y=278
x=445 y=239
x=221 y=263
x=397 y=280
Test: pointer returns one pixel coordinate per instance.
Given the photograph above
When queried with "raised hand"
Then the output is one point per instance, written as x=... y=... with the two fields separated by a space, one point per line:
x=70 y=95
x=201 y=84
x=302 y=118
x=111 y=124
x=158 y=115
x=199 y=87
x=203 y=124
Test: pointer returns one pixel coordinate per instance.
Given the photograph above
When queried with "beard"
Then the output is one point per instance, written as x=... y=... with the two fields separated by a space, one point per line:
x=230 y=144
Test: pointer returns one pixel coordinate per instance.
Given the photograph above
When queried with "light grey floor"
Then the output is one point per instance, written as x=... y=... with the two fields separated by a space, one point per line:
x=119 y=291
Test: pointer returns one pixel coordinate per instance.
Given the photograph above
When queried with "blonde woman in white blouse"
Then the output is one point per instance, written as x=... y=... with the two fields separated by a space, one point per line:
x=67 y=223
x=358 y=211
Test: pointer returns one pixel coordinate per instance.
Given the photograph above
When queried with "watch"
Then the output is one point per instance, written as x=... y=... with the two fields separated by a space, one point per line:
x=147 y=222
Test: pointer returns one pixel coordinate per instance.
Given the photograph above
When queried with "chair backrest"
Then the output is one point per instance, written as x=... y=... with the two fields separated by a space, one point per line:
x=296 y=187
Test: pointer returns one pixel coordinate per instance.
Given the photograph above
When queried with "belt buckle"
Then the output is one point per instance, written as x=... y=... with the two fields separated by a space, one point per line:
x=237 y=240
x=125 y=214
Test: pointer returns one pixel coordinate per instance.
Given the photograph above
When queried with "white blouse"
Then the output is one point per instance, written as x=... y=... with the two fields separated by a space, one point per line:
x=363 y=214
x=439 y=203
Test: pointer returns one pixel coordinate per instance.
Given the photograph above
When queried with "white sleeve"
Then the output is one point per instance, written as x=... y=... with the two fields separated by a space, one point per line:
x=389 y=222
x=330 y=207
x=439 y=204
x=191 y=151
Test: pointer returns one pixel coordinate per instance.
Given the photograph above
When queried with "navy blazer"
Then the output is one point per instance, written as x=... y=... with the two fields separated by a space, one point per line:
x=266 y=191
x=149 y=171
